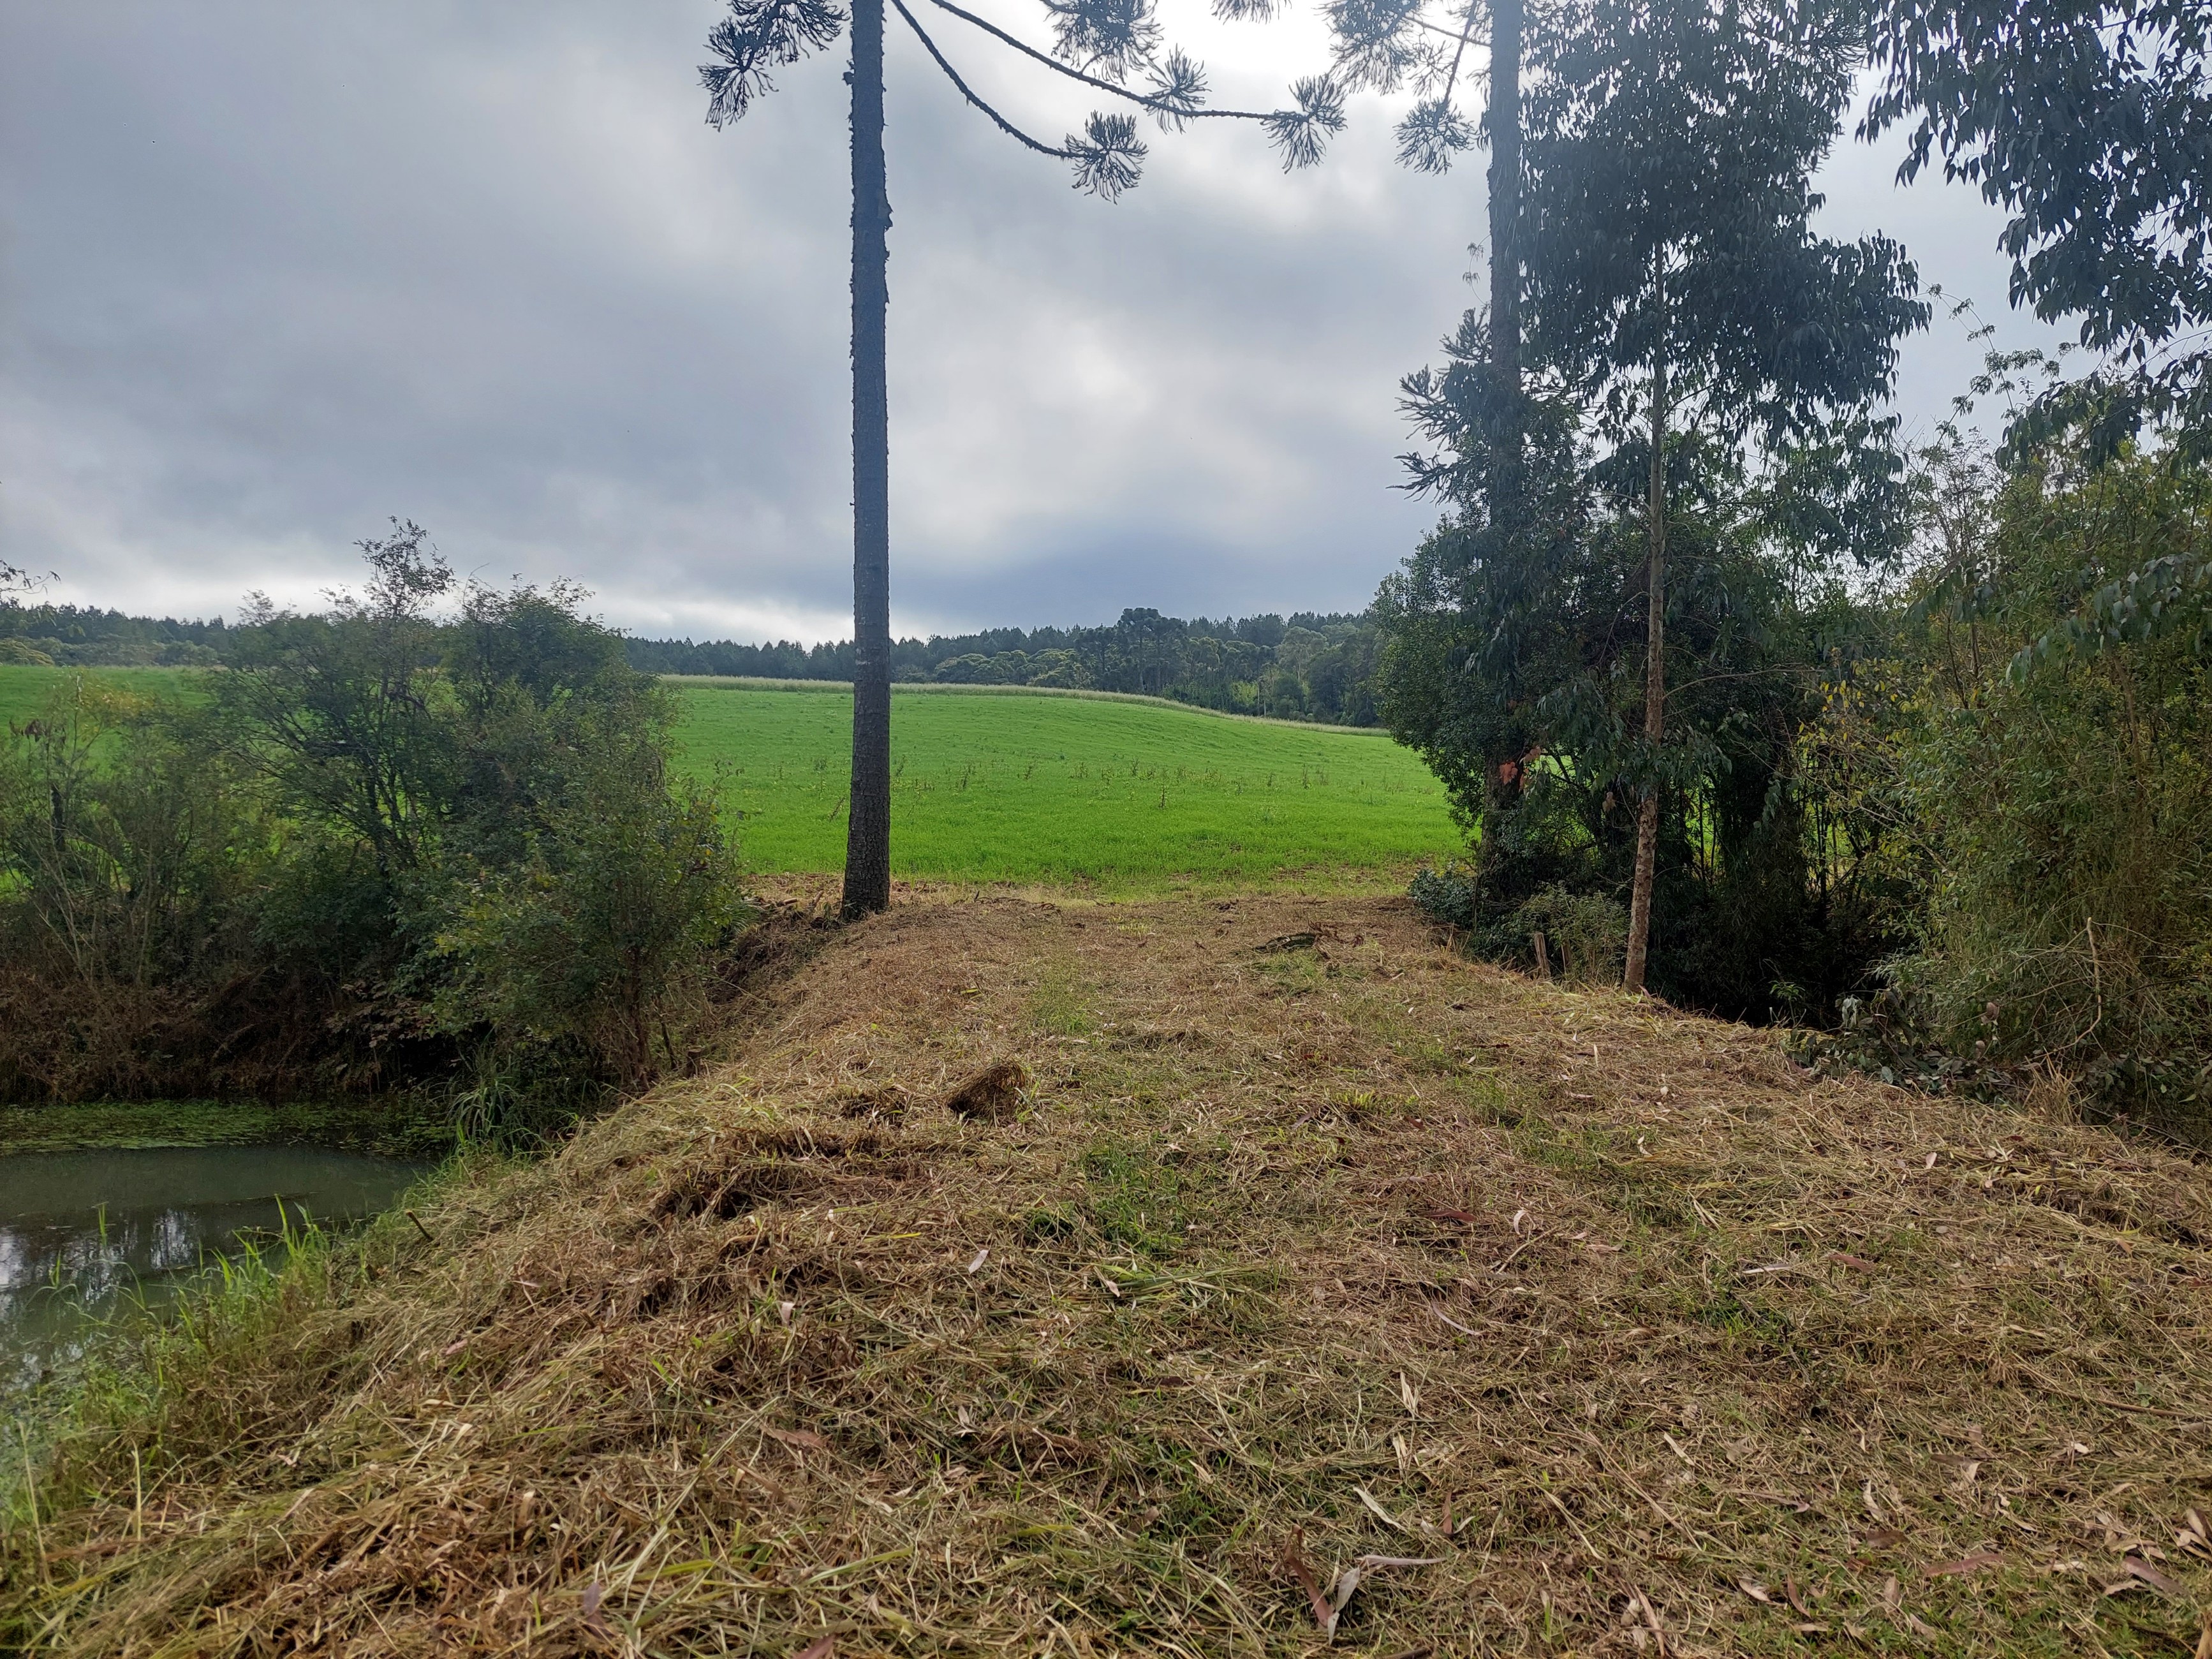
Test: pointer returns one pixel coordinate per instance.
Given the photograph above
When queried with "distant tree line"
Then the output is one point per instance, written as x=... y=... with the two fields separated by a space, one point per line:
x=66 y=635
x=1310 y=666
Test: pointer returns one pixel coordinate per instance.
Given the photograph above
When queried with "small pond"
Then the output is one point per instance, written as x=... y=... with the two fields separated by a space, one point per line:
x=87 y=1234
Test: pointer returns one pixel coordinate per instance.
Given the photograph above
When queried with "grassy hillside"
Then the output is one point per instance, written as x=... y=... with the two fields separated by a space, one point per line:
x=1028 y=787
x=1042 y=788
x=1308 y=1246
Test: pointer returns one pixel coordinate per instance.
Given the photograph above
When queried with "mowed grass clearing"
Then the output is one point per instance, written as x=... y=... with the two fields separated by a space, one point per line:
x=997 y=786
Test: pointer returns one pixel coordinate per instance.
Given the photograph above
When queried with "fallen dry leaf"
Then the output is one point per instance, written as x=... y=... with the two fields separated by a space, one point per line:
x=2136 y=1567
x=1381 y=1514
x=1341 y=1597
x=1324 y=1615
x=1755 y=1591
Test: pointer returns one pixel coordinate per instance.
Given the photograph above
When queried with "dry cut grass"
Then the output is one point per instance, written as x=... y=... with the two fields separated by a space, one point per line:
x=1287 y=1261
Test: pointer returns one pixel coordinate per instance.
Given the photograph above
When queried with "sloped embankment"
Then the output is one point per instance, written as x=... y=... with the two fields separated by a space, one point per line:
x=1305 y=1242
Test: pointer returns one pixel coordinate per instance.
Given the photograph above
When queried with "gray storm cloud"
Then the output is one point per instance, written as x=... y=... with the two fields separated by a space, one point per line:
x=270 y=273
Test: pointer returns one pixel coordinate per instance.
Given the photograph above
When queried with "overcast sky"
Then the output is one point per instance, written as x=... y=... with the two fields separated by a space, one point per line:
x=270 y=273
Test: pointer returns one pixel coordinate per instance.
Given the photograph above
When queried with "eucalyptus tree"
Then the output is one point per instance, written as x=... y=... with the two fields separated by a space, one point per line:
x=1114 y=48
x=2090 y=123
x=1673 y=282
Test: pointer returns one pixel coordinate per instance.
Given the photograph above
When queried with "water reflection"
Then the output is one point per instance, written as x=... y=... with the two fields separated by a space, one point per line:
x=83 y=1234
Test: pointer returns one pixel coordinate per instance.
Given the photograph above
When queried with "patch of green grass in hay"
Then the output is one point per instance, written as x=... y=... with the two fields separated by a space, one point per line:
x=1054 y=789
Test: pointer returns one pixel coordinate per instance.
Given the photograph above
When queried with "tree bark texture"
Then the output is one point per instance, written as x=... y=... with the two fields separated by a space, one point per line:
x=868 y=825
x=1504 y=121
x=1655 y=674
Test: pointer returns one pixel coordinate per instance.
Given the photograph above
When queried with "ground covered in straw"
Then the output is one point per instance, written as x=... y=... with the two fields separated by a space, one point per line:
x=1282 y=1251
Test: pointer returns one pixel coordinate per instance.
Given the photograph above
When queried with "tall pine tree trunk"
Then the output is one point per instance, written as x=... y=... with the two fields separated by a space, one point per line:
x=1504 y=121
x=868 y=828
x=1655 y=669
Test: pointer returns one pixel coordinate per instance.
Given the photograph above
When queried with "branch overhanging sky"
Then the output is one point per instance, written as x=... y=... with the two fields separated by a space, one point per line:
x=270 y=273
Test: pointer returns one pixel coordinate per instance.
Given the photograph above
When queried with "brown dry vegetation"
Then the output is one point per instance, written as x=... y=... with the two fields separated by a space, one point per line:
x=1345 y=1248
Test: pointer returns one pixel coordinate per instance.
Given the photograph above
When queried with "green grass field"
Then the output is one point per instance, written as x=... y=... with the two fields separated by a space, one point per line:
x=24 y=692
x=1033 y=788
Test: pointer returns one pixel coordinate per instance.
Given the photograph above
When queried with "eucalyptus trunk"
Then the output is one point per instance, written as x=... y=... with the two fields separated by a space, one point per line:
x=868 y=825
x=1505 y=485
x=1655 y=675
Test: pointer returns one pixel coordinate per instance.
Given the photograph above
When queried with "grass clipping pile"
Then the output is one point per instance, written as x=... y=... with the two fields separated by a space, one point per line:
x=1255 y=1300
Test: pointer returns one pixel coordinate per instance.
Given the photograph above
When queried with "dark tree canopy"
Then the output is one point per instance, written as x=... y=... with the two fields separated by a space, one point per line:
x=1700 y=366
x=2091 y=124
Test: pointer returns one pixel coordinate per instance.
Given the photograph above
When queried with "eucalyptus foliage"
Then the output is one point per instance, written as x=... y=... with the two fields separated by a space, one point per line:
x=2090 y=123
x=1700 y=440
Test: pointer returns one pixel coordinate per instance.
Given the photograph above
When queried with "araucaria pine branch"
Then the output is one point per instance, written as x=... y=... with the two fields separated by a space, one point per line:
x=759 y=35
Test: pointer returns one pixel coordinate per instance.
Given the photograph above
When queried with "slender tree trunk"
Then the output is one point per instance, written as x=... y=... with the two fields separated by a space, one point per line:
x=1655 y=671
x=1504 y=121
x=1504 y=484
x=868 y=827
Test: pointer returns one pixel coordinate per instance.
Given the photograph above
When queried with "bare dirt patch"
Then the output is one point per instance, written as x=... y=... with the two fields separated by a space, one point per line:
x=1293 y=1254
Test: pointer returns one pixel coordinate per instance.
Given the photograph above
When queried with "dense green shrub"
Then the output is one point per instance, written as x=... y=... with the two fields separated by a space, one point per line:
x=2062 y=796
x=381 y=850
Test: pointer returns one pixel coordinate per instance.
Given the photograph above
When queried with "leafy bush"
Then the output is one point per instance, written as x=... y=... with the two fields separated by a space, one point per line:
x=2054 y=754
x=1589 y=931
x=383 y=850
